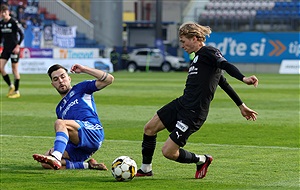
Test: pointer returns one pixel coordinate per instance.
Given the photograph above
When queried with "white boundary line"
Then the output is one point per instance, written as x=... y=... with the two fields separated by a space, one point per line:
x=129 y=141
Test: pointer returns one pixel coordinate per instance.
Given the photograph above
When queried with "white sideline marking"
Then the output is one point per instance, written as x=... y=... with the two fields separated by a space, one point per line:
x=217 y=145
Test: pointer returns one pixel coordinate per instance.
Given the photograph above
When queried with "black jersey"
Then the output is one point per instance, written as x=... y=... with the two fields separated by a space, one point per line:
x=204 y=75
x=8 y=32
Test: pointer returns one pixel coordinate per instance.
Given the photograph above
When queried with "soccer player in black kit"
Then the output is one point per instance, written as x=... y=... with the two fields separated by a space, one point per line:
x=9 y=30
x=186 y=114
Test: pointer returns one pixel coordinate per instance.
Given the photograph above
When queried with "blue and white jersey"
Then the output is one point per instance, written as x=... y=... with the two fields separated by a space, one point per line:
x=79 y=103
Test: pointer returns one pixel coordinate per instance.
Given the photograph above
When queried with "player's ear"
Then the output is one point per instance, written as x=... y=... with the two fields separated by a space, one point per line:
x=195 y=38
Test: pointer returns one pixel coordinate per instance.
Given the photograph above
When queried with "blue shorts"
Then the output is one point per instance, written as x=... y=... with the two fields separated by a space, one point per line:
x=90 y=140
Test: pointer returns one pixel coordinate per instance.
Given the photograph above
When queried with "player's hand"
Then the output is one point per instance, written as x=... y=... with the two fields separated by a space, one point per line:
x=248 y=113
x=77 y=68
x=251 y=80
x=16 y=50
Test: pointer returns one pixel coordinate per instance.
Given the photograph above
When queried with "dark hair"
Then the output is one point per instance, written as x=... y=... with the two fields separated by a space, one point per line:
x=55 y=68
x=4 y=7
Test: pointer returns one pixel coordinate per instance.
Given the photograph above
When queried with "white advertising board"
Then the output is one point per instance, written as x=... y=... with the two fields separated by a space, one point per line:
x=41 y=65
x=290 y=67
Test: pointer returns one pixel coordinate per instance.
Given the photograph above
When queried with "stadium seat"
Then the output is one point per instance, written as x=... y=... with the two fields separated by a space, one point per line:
x=230 y=5
x=237 y=5
x=217 y=5
x=209 y=5
x=251 y=5
x=270 y=5
x=257 y=5
x=223 y=5
x=252 y=12
x=232 y=13
x=204 y=14
x=226 y=14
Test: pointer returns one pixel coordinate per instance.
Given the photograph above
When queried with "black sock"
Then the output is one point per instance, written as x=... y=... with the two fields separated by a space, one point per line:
x=7 y=79
x=17 y=81
x=148 y=147
x=186 y=157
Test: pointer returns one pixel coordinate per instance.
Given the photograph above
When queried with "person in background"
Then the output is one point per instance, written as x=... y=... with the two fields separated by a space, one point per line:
x=12 y=36
x=185 y=115
x=114 y=58
x=124 y=58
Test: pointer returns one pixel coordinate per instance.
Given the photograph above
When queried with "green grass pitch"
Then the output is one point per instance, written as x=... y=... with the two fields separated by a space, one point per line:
x=247 y=155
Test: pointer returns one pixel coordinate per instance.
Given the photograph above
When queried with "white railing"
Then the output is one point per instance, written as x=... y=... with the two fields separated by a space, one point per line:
x=72 y=18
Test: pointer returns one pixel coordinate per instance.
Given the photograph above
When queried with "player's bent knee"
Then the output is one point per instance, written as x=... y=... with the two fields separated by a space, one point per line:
x=59 y=123
x=168 y=153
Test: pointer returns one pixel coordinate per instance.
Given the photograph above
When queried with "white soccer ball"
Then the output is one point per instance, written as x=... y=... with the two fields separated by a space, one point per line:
x=123 y=168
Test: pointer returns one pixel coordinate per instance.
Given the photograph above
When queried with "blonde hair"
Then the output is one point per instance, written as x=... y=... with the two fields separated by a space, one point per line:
x=191 y=29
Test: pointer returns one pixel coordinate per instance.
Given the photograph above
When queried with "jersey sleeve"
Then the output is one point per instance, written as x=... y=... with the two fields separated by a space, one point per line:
x=21 y=38
x=229 y=91
x=88 y=86
x=232 y=70
x=19 y=31
x=219 y=61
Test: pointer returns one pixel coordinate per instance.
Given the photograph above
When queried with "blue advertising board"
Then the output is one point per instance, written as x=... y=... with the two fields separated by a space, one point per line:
x=256 y=47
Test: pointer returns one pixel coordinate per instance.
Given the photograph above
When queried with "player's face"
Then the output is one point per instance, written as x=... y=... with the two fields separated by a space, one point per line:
x=5 y=15
x=188 y=44
x=61 y=81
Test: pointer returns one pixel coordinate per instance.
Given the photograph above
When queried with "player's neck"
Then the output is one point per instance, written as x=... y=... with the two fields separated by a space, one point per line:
x=7 y=19
x=64 y=94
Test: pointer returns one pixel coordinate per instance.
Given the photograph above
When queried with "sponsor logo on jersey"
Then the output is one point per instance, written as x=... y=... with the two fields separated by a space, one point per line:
x=68 y=108
x=193 y=70
x=195 y=59
x=71 y=94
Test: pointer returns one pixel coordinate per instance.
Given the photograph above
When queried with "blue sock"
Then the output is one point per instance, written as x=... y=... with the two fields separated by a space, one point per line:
x=60 y=142
x=74 y=165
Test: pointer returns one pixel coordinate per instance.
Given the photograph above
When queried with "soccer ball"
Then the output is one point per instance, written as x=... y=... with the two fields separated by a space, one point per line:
x=123 y=168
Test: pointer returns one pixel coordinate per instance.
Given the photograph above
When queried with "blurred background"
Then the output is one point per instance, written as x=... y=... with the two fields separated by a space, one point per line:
x=256 y=35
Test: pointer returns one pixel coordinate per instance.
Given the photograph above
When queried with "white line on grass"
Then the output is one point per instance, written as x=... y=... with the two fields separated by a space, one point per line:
x=216 y=145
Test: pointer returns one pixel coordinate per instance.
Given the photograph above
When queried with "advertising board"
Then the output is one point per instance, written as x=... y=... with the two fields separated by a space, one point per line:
x=256 y=47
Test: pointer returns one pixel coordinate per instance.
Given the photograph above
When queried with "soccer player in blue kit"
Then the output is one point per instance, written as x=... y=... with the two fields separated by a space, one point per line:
x=79 y=132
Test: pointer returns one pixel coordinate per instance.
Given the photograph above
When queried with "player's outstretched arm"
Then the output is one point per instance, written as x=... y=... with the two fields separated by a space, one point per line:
x=235 y=72
x=229 y=91
x=103 y=78
x=248 y=113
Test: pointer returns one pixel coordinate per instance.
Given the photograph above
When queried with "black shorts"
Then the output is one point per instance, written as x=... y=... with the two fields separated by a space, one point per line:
x=6 y=54
x=180 y=122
